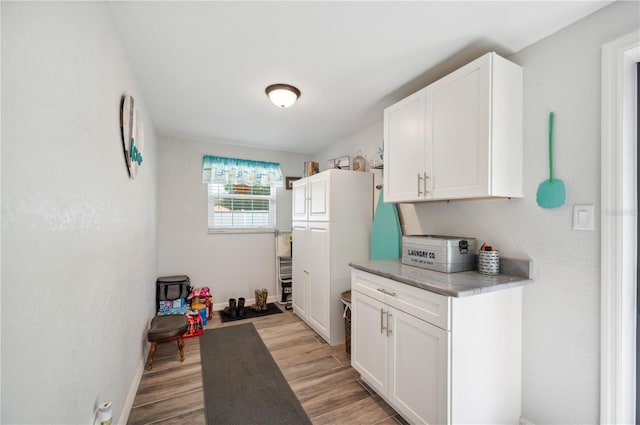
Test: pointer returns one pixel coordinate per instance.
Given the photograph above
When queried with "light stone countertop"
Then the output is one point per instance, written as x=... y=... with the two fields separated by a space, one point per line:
x=461 y=284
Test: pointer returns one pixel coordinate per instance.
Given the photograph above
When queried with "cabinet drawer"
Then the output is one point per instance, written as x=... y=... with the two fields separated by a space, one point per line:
x=428 y=306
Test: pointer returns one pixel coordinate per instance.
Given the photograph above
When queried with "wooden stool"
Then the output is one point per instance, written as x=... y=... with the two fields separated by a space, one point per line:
x=166 y=328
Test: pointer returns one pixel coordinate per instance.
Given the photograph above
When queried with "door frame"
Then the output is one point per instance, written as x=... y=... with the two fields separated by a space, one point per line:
x=618 y=230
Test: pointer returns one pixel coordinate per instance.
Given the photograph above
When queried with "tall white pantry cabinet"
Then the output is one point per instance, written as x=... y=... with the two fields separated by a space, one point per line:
x=332 y=215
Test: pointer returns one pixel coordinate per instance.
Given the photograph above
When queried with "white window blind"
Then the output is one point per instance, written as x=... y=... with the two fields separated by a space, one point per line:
x=241 y=206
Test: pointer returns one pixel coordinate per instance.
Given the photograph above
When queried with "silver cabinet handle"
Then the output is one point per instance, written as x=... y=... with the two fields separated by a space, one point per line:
x=384 y=291
x=388 y=326
x=425 y=184
x=419 y=178
x=382 y=328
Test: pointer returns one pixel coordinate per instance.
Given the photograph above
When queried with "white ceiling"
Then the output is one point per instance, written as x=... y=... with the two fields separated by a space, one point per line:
x=203 y=66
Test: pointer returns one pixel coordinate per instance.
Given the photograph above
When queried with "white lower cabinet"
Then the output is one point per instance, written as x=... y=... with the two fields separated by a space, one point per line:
x=390 y=349
x=446 y=362
x=311 y=270
x=321 y=272
x=299 y=271
x=419 y=392
x=369 y=342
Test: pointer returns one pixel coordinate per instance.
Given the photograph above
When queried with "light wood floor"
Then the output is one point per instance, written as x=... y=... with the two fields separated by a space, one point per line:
x=320 y=375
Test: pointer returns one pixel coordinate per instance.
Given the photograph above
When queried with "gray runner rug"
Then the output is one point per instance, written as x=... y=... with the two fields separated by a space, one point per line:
x=242 y=383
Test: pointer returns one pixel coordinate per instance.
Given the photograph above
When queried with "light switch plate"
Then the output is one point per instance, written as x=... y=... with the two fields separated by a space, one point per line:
x=583 y=217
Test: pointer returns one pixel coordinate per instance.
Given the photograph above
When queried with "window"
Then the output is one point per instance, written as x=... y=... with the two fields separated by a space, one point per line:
x=242 y=193
x=241 y=206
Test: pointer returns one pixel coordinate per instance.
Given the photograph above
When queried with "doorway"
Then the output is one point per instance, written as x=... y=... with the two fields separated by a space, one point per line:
x=637 y=242
x=619 y=241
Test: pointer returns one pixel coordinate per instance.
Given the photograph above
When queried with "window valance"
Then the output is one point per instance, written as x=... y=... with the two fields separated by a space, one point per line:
x=217 y=169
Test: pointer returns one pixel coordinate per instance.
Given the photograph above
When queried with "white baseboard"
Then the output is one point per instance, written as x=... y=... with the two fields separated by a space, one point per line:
x=133 y=390
x=248 y=302
x=525 y=421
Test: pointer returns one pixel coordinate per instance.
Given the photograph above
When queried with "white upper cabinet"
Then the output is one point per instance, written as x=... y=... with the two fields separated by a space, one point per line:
x=314 y=196
x=299 y=201
x=311 y=198
x=404 y=148
x=319 y=199
x=460 y=137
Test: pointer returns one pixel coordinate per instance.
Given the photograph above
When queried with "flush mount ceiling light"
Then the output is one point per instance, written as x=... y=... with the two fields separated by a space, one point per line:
x=282 y=95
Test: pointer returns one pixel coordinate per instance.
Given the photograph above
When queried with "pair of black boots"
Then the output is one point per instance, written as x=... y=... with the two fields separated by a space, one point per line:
x=235 y=310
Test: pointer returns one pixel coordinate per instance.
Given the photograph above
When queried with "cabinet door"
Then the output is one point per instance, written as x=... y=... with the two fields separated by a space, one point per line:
x=404 y=149
x=458 y=130
x=418 y=369
x=299 y=270
x=318 y=194
x=299 y=200
x=318 y=279
x=369 y=342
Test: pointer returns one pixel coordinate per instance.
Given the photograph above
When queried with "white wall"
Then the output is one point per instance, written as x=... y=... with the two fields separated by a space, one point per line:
x=561 y=323
x=365 y=143
x=78 y=236
x=231 y=265
x=561 y=309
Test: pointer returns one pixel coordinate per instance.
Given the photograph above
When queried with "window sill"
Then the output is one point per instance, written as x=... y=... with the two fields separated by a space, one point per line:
x=258 y=230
